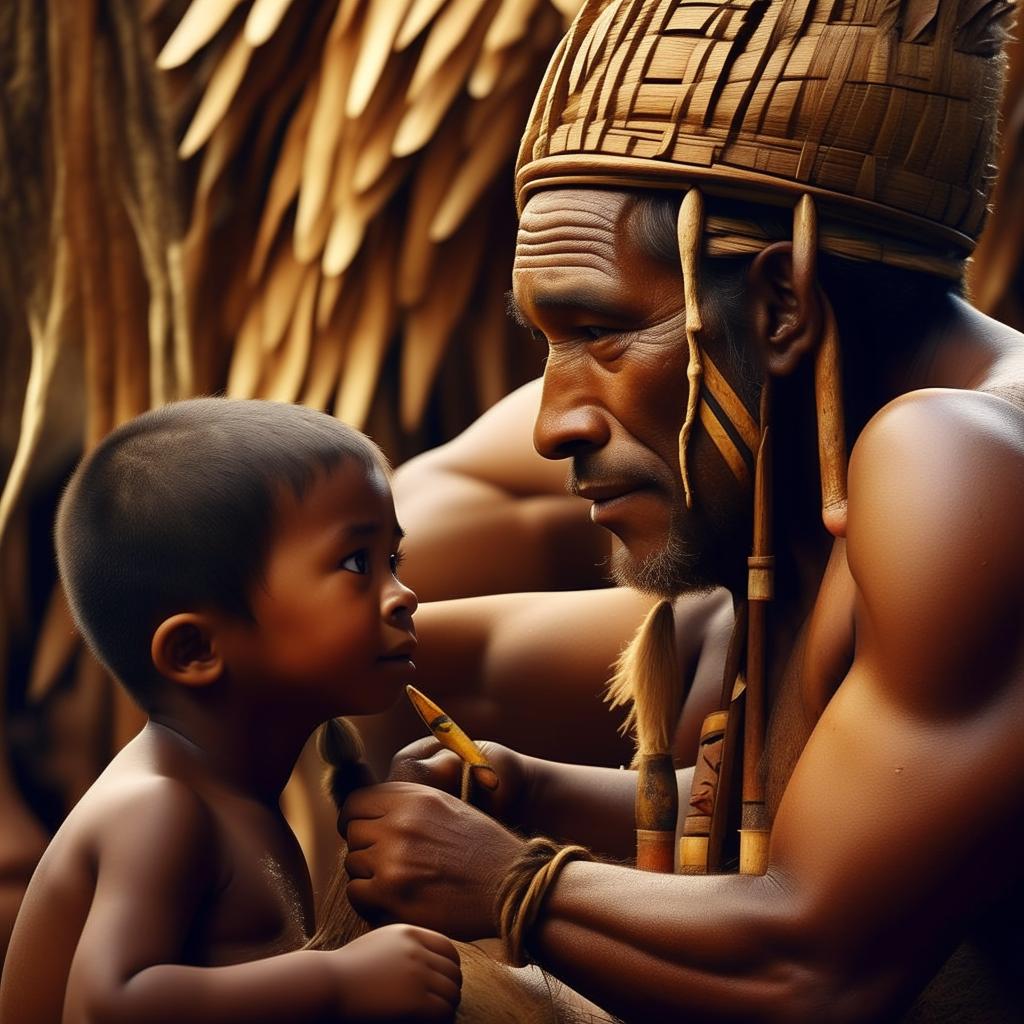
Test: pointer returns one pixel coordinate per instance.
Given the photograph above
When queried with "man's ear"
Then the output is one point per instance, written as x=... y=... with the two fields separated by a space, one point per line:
x=184 y=651
x=786 y=313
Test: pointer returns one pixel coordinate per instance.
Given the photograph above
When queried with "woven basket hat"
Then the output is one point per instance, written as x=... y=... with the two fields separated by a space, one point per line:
x=884 y=111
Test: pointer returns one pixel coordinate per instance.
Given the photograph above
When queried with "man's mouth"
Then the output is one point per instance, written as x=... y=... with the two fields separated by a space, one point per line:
x=611 y=498
x=600 y=493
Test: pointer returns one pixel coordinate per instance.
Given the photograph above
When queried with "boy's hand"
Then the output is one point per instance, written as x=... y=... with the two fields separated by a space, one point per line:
x=428 y=763
x=398 y=973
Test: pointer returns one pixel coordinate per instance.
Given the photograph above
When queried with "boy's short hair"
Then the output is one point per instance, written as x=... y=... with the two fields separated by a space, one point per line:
x=174 y=510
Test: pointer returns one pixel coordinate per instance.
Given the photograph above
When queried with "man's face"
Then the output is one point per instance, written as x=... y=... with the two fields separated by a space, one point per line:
x=615 y=384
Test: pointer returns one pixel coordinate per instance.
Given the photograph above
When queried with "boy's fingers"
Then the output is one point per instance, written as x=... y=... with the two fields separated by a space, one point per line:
x=442 y=965
x=439 y=944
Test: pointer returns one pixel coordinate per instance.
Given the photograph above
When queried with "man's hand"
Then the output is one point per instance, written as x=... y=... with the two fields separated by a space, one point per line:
x=429 y=764
x=419 y=855
x=399 y=973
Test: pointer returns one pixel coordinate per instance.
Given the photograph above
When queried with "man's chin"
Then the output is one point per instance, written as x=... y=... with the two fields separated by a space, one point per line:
x=665 y=573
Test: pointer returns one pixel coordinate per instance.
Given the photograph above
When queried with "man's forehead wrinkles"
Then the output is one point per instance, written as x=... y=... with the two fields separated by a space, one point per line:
x=561 y=218
x=569 y=260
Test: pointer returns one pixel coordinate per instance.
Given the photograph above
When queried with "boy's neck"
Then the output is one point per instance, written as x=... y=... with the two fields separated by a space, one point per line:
x=251 y=754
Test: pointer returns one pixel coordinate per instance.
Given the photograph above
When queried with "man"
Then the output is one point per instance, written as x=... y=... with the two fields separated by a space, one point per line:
x=823 y=174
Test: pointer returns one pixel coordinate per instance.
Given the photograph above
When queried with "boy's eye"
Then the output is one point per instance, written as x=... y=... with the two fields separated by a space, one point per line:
x=396 y=560
x=357 y=562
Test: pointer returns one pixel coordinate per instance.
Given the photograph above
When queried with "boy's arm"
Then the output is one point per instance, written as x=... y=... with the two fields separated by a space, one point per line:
x=155 y=870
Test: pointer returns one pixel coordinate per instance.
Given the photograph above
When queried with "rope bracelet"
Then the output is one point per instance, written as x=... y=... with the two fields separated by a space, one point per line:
x=524 y=888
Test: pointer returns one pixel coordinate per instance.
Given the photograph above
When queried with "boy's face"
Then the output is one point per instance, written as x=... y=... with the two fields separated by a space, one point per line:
x=334 y=627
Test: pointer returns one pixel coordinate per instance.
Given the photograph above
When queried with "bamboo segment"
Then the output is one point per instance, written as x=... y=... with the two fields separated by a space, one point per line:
x=429 y=325
x=456 y=23
x=420 y=15
x=319 y=157
x=284 y=185
x=289 y=370
x=263 y=20
x=657 y=805
x=279 y=300
x=218 y=96
x=202 y=21
x=369 y=338
x=379 y=30
x=509 y=24
x=478 y=171
x=754 y=828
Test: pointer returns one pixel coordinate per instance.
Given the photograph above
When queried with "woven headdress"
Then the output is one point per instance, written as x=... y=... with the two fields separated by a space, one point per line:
x=883 y=111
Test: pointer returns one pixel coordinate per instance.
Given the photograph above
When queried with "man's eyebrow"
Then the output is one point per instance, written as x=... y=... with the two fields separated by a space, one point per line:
x=586 y=300
x=515 y=312
x=399 y=532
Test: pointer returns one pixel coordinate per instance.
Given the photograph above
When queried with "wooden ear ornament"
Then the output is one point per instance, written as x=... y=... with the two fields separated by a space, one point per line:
x=828 y=385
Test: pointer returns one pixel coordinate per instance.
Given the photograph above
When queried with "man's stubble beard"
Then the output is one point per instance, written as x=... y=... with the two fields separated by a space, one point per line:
x=675 y=569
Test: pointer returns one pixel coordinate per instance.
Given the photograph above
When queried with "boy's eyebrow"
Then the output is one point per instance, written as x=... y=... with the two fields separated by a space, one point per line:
x=368 y=529
x=360 y=529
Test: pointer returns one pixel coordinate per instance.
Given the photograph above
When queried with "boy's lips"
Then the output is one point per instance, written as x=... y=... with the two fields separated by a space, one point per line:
x=403 y=652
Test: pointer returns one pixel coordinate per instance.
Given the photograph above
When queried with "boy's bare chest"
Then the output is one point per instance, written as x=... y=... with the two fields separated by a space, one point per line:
x=263 y=904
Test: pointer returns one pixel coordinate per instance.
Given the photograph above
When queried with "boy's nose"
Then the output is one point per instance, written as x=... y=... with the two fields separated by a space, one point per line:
x=399 y=603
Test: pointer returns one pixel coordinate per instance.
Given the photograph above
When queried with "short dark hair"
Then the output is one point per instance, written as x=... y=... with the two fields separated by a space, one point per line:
x=175 y=509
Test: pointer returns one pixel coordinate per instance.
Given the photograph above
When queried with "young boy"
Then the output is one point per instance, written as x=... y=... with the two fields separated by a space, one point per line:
x=234 y=565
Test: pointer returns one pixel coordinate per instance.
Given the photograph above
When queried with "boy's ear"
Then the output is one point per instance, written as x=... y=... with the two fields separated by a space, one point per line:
x=786 y=311
x=184 y=651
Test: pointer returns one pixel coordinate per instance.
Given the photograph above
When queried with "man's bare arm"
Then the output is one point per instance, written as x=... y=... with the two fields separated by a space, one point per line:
x=485 y=514
x=517 y=668
x=898 y=823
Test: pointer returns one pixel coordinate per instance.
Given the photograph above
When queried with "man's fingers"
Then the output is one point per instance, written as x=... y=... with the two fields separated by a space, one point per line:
x=372 y=802
x=358 y=864
x=360 y=833
x=433 y=766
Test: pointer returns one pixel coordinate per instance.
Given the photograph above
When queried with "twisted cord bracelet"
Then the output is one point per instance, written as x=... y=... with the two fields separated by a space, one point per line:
x=523 y=891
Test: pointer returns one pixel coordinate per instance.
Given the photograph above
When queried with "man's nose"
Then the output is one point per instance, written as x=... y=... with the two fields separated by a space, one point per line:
x=399 y=603
x=569 y=422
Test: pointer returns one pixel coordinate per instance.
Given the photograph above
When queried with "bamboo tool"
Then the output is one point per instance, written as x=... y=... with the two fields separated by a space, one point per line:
x=450 y=736
x=754 y=830
x=648 y=672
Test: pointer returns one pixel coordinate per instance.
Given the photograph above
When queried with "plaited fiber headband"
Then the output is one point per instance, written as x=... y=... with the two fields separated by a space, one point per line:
x=883 y=111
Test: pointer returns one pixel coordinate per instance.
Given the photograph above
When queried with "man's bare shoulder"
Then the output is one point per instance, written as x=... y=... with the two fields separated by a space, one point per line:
x=933 y=537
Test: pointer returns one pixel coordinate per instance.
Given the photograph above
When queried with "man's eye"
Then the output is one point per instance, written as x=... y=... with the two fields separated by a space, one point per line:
x=357 y=562
x=396 y=560
x=593 y=333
